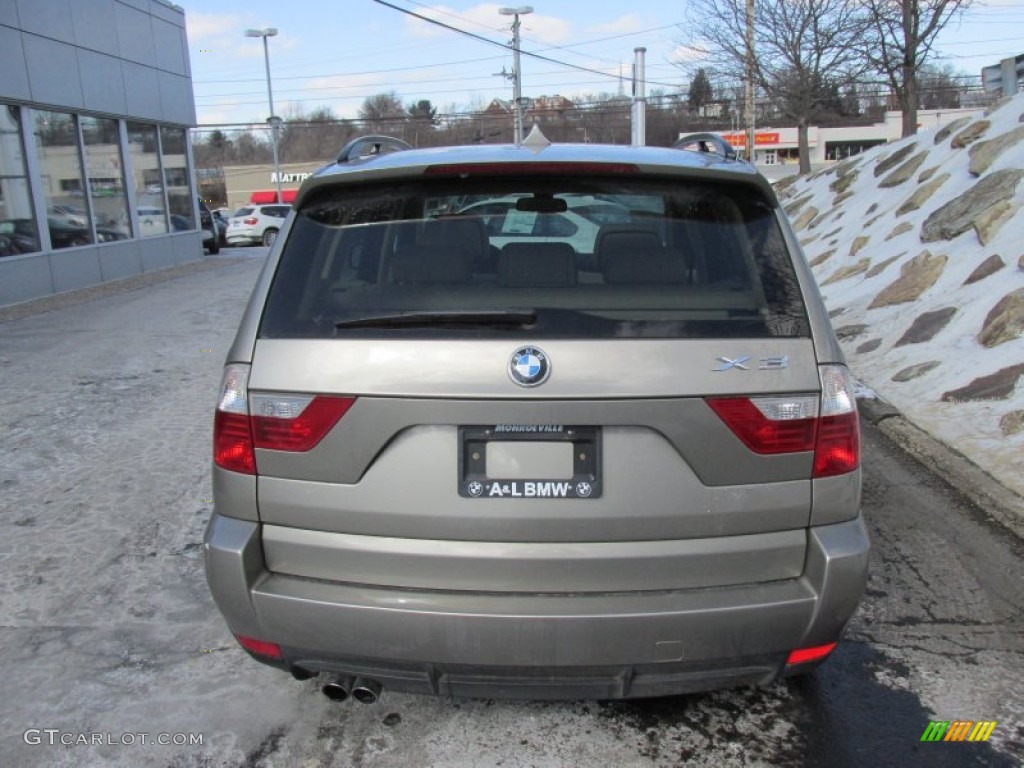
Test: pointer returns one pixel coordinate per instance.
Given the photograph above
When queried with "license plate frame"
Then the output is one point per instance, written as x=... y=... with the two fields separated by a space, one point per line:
x=585 y=483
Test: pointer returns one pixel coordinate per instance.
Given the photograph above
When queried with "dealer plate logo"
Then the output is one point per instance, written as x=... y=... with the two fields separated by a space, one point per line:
x=529 y=367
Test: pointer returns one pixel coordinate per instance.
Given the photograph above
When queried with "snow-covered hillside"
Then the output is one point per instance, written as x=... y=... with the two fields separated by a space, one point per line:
x=918 y=247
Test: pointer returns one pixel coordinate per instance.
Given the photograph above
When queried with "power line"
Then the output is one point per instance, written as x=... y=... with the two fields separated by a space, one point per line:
x=417 y=68
x=458 y=79
x=567 y=48
x=598 y=108
x=487 y=40
x=414 y=94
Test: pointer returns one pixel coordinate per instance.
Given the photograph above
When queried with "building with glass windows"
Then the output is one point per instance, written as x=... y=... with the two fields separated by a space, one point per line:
x=96 y=179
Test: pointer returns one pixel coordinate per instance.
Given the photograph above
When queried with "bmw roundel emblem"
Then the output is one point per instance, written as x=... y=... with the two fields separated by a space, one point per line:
x=529 y=367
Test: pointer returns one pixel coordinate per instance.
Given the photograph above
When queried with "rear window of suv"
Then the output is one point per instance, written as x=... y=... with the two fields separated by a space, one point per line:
x=277 y=211
x=568 y=258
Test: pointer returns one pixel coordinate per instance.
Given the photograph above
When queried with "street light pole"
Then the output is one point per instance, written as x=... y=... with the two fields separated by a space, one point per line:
x=517 y=78
x=273 y=120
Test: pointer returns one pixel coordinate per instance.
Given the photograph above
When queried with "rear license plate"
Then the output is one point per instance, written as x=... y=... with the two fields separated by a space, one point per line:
x=529 y=461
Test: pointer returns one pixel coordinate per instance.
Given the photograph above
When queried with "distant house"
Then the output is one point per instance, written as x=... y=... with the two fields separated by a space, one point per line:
x=540 y=108
x=549 y=107
x=498 y=108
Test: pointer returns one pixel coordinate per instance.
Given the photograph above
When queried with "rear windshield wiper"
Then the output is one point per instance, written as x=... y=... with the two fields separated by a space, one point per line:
x=513 y=318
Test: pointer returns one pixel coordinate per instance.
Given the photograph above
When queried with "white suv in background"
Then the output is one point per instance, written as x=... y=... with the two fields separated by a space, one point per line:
x=256 y=224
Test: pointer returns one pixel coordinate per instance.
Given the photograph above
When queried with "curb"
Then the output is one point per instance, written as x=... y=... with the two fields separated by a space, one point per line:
x=993 y=498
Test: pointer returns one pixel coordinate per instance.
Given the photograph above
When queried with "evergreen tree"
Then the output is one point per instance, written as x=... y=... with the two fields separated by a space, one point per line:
x=701 y=93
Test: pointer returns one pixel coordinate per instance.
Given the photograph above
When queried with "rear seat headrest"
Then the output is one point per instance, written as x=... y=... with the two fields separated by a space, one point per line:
x=537 y=264
x=647 y=265
x=430 y=264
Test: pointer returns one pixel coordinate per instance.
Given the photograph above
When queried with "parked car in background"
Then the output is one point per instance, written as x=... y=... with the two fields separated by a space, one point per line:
x=211 y=234
x=72 y=215
x=152 y=220
x=220 y=219
x=471 y=460
x=256 y=224
x=577 y=224
x=19 y=235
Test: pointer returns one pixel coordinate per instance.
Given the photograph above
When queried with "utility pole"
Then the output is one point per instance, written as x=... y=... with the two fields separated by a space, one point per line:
x=750 y=81
x=517 y=76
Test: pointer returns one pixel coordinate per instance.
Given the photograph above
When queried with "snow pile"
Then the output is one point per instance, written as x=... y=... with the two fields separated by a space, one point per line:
x=918 y=247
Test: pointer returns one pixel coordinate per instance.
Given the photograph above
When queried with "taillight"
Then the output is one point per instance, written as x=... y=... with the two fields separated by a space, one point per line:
x=806 y=655
x=826 y=424
x=279 y=422
x=769 y=425
x=251 y=221
x=295 y=423
x=232 y=432
x=837 y=450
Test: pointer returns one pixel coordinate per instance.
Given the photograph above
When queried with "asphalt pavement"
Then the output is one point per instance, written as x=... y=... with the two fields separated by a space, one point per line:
x=108 y=633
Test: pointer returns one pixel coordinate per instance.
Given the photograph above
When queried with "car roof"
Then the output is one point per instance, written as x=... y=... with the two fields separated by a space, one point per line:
x=644 y=160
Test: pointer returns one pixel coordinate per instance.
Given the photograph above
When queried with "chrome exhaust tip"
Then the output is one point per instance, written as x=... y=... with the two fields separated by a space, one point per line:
x=366 y=691
x=338 y=688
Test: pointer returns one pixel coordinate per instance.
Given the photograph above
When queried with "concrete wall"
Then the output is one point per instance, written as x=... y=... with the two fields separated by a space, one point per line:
x=126 y=59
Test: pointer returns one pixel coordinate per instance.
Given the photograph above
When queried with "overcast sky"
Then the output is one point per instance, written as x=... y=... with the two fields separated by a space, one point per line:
x=336 y=54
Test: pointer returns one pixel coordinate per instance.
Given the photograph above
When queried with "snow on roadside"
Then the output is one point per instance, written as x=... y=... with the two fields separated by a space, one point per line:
x=864 y=239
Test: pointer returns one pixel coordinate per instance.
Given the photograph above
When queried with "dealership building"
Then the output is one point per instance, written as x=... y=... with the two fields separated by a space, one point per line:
x=95 y=165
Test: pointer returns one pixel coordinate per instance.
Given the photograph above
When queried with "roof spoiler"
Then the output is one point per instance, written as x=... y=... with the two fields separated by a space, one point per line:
x=702 y=140
x=369 y=146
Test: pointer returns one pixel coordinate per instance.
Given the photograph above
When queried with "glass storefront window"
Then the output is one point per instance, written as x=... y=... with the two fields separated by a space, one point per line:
x=149 y=189
x=104 y=170
x=176 y=181
x=60 y=171
x=18 y=232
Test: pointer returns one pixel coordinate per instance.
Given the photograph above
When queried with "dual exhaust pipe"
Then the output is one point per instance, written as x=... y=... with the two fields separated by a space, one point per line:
x=362 y=689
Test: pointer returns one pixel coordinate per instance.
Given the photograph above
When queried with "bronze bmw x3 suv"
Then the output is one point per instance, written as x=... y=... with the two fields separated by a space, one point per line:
x=562 y=421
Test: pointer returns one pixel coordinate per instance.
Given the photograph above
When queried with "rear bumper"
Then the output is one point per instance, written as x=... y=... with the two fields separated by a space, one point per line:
x=619 y=645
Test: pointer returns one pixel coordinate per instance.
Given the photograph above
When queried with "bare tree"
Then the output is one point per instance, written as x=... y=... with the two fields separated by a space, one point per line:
x=939 y=86
x=904 y=33
x=604 y=118
x=315 y=137
x=250 y=149
x=383 y=113
x=800 y=46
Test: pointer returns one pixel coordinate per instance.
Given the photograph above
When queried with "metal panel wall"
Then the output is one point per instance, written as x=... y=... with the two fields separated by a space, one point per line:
x=119 y=58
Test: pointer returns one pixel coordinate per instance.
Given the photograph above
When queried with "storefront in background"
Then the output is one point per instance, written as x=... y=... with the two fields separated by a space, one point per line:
x=780 y=146
x=249 y=184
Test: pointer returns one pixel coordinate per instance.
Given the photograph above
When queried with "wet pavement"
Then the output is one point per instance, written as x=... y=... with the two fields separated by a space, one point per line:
x=107 y=630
